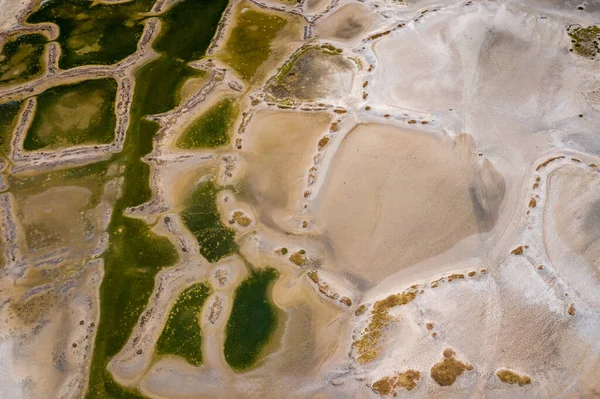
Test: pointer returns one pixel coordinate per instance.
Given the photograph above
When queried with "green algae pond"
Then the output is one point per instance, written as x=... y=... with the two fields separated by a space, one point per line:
x=253 y=320
x=92 y=177
x=22 y=58
x=92 y=33
x=136 y=254
x=104 y=34
x=249 y=44
x=9 y=113
x=67 y=115
x=212 y=128
x=201 y=217
x=182 y=335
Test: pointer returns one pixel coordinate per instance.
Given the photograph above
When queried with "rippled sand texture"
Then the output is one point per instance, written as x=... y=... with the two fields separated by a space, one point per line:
x=301 y=199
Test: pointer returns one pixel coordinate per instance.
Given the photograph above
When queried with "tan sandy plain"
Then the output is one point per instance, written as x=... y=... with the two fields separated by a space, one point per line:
x=395 y=197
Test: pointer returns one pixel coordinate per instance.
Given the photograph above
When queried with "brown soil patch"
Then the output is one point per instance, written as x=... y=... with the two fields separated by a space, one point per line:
x=368 y=346
x=390 y=385
x=240 y=218
x=517 y=251
x=449 y=369
x=510 y=377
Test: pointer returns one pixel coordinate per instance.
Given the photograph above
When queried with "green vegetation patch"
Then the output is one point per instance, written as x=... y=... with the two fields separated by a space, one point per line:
x=253 y=320
x=202 y=218
x=92 y=33
x=136 y=254
x=585 y=40
x=249 y=44
x=22 y=58
x=81 y=113
x=212 y=128
x=8 y=119
x=181 y=335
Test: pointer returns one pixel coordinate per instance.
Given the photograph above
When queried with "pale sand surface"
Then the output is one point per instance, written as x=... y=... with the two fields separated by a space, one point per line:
x=11 y=12
x=279 y=151
x=395 y=197
x=571 y=228
x=345 y=24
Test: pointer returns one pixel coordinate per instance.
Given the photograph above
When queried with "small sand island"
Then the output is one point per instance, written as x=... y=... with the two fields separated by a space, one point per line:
x=299 y=199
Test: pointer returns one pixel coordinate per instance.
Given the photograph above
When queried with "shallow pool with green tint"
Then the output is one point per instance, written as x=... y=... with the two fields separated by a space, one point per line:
x=253 y=320
x=9 y=113
x=201 y=217
x=136 y=254
x=212 y=128
x=181 y=335
x=91 y=176
x=192 y=23
x=249 y=44
x=94 y=33
x=22 y=58
x=67 y=115
x=134 y=257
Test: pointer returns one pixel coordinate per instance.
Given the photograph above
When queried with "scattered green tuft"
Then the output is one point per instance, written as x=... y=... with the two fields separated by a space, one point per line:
x=585 y=40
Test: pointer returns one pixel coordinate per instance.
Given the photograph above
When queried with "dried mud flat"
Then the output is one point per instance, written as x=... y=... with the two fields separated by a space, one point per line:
x=406 y=193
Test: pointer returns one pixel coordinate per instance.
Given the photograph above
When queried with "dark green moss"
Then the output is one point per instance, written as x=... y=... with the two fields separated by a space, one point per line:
x=181 y=335
x=212 y=128
x=94 y=33
x=253 y=320
x=249 y=45
x=202 y=218
x=21 y=58
x=80 y=113
x=8 y=120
